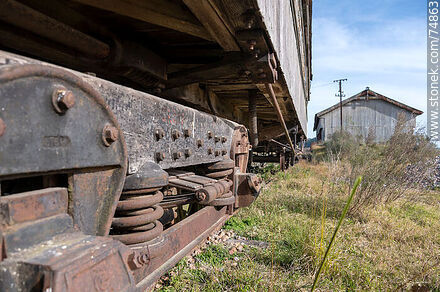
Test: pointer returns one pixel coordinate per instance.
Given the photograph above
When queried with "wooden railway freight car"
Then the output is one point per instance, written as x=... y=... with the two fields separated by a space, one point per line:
x=124 y=134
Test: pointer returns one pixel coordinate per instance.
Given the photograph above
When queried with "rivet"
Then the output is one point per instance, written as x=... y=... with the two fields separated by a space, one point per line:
x=177 y=155
x=224 y=139
x=109 y=134
x=199 y=143
x=2 y=127
x=224 y=152
x=252 y=44
x=188 y=152
x=160 y=156
x=210 y=151
x=62 y=100
x=217 y=139
x=210 y=135
x=245 y=73
x=217 y=152
x=159 y=133
x=176 y=134
x=187 y=132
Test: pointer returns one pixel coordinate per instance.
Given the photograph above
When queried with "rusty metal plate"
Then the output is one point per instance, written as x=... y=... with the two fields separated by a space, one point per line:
x=168 y=133
x=71 y=263
x=33 y=205
x=199 y=179
x=179 y=240
x=40 y=139
x=183 y=184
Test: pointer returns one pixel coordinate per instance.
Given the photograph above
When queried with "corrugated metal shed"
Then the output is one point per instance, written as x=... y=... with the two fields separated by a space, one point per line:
x=364 y=113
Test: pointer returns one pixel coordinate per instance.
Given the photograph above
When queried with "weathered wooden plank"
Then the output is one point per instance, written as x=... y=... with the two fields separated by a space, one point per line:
x=143 y=11
x=285 y=32
x=211 y=19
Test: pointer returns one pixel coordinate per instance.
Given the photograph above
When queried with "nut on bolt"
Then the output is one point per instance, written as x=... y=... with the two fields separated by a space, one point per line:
x=177 y=155
x=200 y=196
x=2 y=127
x=176 y=134
x=62 y=100
x=160 y=156
x=110 y=134
x=252 y=44
x=159 y=133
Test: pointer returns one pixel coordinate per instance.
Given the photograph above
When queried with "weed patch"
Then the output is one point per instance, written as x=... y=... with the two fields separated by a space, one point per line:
x=390 y=245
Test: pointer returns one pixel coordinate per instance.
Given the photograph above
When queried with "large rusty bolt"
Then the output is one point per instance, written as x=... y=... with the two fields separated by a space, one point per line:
x=2 y=127
x=62 y=100
x=110 y=134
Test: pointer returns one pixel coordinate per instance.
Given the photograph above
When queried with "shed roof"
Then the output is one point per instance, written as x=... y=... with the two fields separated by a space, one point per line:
x=370 y=95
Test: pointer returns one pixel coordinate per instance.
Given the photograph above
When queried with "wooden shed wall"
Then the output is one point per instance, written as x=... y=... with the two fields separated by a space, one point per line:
x=361 y=115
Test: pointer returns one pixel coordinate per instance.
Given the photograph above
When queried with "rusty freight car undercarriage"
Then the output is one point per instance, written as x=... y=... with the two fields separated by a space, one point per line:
x=127 y=127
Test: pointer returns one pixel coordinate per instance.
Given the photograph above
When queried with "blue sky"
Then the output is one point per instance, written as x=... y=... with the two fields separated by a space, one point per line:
x=380 y=44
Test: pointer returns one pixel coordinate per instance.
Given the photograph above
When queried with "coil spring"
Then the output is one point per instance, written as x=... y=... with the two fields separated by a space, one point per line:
x=221 y=170
x=137 y=217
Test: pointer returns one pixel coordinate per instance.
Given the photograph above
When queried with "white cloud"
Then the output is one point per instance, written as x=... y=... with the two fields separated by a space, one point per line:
x=387 y=55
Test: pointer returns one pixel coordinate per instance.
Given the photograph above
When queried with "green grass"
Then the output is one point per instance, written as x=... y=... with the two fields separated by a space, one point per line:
x=386 y=247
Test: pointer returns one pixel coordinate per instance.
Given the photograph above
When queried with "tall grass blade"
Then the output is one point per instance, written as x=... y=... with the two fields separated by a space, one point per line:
x=344 y=212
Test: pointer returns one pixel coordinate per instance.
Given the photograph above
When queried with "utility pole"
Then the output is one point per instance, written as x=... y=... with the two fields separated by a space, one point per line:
x=341 y=95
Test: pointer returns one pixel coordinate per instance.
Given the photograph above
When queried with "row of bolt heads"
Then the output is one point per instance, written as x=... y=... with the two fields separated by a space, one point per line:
x=176 y=134
x=160 y=156
x=62 y=101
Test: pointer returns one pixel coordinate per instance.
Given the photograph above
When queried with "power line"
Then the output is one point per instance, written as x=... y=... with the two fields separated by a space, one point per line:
x=322 y=85
x=341 y=95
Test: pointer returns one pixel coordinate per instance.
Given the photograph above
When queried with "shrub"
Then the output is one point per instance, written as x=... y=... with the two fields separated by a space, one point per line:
x=390 y=170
